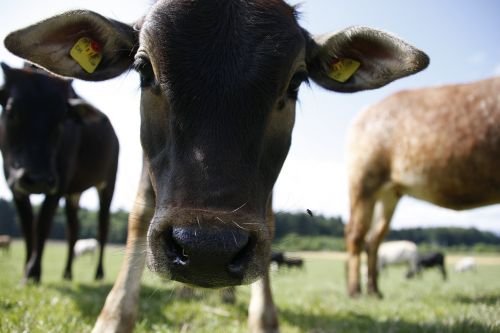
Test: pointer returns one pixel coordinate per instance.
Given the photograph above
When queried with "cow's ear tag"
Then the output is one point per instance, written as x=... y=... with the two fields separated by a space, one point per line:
x=342 y=69
x=87 y=53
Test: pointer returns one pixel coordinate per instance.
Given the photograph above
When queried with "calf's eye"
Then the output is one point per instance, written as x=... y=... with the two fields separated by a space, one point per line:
x=143 y=66
x=294 y=85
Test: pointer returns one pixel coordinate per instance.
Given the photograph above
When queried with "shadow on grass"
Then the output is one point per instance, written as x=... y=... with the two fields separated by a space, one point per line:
x=359 y=323
x=486 y=299
x=90 y=298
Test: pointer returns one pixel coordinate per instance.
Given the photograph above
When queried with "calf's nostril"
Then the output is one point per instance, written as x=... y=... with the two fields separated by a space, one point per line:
x=238 y=264
x=175 y=252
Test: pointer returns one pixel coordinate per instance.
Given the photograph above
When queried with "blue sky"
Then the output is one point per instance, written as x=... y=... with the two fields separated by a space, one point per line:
x=461 y=37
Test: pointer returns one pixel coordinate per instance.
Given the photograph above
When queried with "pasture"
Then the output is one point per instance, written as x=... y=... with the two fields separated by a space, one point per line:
x=312 y=300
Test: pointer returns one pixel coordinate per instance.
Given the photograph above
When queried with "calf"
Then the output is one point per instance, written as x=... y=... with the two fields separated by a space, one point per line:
x=429 y=260
x=437 y=144
x=57 y=144
x=5 y=243
x=220 y=81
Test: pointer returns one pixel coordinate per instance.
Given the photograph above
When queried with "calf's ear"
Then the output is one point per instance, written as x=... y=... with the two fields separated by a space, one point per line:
x=361 y=58
x=97 y=40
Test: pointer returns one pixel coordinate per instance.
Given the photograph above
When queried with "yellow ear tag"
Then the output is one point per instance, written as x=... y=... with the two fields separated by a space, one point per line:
x=87 y=53
x=342 y=69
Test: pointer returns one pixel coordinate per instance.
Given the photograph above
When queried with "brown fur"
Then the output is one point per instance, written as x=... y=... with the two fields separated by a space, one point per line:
x=440 y=144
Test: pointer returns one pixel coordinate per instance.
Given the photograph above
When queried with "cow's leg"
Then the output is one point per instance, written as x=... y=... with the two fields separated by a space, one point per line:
x=384 y=209
x=262 y=314
x=355 y=231
x=442 y=266
x=71 y=209
x=25 y=212
x=120 y=310
x=105 y=196
x=40 y=231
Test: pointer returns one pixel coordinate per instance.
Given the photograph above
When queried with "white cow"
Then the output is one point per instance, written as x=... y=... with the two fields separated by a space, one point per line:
x=397 y=252
x=83 y=246
x=465 y=264
x=5 y=241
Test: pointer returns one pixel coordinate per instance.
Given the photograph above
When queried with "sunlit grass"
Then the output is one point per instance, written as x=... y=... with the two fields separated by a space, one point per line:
x=309 y=300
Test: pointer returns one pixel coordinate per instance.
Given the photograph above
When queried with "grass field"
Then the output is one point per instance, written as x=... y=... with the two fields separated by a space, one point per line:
x=311 y=300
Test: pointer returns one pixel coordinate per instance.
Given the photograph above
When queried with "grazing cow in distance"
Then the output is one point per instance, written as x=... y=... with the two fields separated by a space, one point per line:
x=397 y=253
x=439 y=144
x=465 y=264
x=54 y=143
x=429 y=260
x=220 y=81
x=5 y=241
x=280 y=259
x=294 y=262
x=85 y=246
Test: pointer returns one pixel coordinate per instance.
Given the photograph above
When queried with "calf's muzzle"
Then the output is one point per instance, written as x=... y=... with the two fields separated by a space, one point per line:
x=208 y=248
x=37 y=183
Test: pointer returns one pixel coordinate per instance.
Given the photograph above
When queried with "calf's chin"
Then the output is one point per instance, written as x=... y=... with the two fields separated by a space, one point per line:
x=208 y=248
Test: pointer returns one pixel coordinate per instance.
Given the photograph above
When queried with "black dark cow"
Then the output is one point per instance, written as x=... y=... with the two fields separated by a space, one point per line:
x=429 y=260
x=280 y=259
x=220 y=81
x=56 y=144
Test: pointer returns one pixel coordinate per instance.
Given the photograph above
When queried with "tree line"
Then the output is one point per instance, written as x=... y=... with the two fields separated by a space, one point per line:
x=293 y=231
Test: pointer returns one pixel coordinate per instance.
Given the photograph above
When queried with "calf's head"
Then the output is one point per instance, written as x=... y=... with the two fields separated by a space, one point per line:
x=219 y=82
x=34 y=107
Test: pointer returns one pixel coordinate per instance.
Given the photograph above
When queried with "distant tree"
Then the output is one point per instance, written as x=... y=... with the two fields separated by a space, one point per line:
x=445 y=237
x=304 y=224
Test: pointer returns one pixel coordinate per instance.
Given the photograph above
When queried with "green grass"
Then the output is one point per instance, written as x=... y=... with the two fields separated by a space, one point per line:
x=312 y=300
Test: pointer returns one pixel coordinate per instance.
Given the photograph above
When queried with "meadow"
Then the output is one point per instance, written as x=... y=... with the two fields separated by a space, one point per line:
x=309 y=300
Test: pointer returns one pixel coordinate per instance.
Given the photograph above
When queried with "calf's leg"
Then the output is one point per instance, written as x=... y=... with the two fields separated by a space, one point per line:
x=71 y=209
x=262 y=314
x=25 y=212
x=105 y=196
x=120 y=310
x=41 y=230
x=443 y=270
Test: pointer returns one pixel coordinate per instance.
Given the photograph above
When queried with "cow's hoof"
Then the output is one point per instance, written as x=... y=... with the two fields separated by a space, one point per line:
x=68 y=276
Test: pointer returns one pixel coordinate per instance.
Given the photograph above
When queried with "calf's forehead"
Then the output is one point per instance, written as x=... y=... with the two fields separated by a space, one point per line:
x=221 y=41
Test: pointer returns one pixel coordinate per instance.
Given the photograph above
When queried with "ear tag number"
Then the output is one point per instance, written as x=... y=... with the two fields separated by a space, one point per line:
x=87 y=53
x=342 y=69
